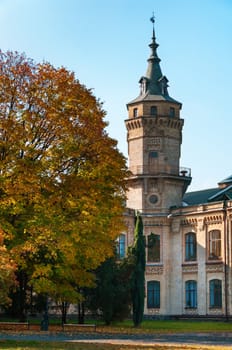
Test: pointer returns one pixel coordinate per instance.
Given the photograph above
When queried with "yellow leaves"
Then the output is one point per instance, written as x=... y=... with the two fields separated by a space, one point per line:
x=40 y=271
x=62 y=179
x=7 y=269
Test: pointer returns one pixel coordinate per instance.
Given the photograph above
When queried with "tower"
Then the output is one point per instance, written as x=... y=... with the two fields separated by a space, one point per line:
x=188 y=259
x=154 y=135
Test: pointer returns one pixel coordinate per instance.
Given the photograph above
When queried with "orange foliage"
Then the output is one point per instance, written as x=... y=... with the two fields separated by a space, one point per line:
x=62 y=178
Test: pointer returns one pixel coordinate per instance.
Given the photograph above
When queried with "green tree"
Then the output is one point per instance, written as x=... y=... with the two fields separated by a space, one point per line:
x=111 y=295
x=138 y=276
x=62 y=178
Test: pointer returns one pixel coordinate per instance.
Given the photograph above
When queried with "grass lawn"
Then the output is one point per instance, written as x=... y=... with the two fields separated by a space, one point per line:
x=147 y=326
x=170 y=326
x=14 y=345
x=127 y=327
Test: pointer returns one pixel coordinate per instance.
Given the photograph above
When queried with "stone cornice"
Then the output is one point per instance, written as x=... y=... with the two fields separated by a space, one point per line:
x=160 y=121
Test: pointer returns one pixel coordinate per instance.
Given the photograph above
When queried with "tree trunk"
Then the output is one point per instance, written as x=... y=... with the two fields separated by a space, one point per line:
x=64 y=309
x=22 y=296
x=81 y=313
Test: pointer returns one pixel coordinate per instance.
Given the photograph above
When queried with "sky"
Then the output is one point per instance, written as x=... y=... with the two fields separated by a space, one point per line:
x=105 y=42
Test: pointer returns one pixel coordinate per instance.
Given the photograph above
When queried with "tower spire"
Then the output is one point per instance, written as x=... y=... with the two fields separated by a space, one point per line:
x=154 y=85
x=156 y=82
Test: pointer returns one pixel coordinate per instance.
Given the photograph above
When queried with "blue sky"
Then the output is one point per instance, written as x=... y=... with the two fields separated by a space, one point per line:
x=105 y=42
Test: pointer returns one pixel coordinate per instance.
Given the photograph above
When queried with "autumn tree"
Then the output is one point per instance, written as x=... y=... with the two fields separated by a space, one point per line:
x=62 y=178
x=7 y=276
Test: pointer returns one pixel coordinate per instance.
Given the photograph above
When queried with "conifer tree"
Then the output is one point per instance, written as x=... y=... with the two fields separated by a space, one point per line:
x=138 y=277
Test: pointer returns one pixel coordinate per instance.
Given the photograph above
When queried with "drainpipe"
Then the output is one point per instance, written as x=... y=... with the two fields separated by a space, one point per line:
x=226 y=258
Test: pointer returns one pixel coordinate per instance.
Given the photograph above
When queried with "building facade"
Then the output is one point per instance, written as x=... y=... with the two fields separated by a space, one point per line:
x=188 y=235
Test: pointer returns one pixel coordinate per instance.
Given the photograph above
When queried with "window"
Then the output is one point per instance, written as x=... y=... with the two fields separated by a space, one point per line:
x=172 y=112
x=153 y=294
x=191 y=294
x=214 y=244
x=135 y=112
x=153 y=199
x=153 y=110
x=153 y=159
x=121 y=246
x=190 y=247
x=153 y=154
x=215 y=290
x=153 y=248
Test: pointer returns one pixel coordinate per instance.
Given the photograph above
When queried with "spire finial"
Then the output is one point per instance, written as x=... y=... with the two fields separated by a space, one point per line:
x=152 y=19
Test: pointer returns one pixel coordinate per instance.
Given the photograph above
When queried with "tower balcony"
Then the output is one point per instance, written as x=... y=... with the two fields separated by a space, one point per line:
x=148 y=170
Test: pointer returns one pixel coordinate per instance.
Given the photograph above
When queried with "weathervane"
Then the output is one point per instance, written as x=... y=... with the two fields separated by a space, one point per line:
x=152 y=19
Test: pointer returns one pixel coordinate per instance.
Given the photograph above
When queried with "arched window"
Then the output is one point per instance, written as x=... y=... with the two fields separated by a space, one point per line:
x=190 y=247
x=153 y=110
x=215 y=244
x=121 y=246
x=135 y=112
x=191 y=294
x=153 y=248
x=215 y=290
x=153 y=294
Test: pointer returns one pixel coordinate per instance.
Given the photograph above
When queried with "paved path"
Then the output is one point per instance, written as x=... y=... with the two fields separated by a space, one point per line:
x=222 y=339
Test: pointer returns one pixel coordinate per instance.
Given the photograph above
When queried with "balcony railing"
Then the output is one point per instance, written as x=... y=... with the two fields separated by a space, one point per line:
x=185 y=172
x=151 y=170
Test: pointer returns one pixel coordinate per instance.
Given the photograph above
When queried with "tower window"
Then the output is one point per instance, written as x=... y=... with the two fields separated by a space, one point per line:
x=135 y=112
x=172 y=112
x=153 y=110
x=153 y=199
x=153 y=154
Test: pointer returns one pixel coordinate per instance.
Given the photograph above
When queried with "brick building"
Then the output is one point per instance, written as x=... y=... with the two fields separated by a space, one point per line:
x=188 y=235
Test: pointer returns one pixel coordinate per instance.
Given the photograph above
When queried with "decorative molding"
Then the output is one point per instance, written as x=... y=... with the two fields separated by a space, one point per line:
x=215 y=311
x=189 y=268
x=190 y=311
x=159 y=222
x=176 y=226
x=153 y=311
x=211 y=268
x=153 y=185
x=154 y=143
x=154 y=270
x=213 y=219
x=133 y=124
x=189 y=222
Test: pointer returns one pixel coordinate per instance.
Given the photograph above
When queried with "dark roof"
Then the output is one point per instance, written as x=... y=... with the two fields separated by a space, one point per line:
x=223 y=194
x=209 y=195
x=148 y=97
x=226 y=181
x=154 y=85
x=199 y=197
